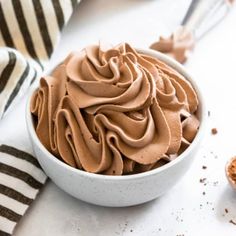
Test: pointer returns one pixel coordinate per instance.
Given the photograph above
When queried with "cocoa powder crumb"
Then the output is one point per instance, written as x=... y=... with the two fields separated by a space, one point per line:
x=214 y=131
x=204 y=193
x=202 y=180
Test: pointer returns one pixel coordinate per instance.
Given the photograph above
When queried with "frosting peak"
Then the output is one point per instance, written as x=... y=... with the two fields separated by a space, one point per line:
x=112 y=110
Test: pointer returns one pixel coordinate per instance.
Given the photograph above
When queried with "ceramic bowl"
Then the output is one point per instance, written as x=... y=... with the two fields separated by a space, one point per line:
x=120 y=191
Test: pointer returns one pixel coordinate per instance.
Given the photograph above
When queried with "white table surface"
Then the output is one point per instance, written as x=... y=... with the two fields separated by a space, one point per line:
x=184 y=210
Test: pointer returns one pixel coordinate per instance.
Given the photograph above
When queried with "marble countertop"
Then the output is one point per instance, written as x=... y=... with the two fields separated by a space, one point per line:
x=191 y=207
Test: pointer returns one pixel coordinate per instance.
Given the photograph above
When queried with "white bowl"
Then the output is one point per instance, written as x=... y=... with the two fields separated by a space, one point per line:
x=120 y=191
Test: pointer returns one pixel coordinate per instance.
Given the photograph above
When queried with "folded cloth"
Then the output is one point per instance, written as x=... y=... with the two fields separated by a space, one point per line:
x=29 y=32
x=32 y=27
x=20 y=180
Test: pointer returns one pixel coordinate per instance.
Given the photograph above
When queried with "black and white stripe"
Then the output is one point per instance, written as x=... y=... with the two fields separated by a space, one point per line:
x=32 y=28
x=15 y=77
x=6 y=72
x=20 y=180
x=29 y=32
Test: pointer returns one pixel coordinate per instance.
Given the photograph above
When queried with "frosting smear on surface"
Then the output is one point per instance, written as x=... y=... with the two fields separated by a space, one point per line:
x=114 y=111
x=179 y=45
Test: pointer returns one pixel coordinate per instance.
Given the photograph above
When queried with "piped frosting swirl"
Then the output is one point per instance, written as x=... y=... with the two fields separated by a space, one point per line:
x=112 y=110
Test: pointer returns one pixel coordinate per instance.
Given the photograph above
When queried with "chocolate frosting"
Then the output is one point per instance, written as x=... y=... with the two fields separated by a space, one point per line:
x=178 y=45
x=112 y=110
x=232 y=170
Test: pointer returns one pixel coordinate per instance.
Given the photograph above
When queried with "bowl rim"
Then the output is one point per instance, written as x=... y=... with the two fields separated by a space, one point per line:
x=203 y=114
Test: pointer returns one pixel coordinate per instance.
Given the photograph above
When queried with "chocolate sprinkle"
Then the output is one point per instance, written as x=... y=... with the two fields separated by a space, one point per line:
x=214 y=131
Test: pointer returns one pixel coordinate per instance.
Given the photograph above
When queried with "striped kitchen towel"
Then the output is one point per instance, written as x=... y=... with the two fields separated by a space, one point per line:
x=29 y=32
x=20 y=180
